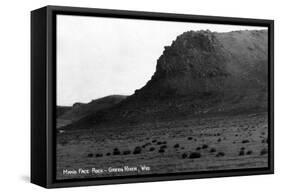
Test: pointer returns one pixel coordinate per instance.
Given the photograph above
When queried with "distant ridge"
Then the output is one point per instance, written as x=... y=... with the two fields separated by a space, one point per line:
x=62 y=109
x=80 y=110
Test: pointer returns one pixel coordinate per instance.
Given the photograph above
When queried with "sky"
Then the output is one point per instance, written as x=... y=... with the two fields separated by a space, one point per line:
x=98 y=56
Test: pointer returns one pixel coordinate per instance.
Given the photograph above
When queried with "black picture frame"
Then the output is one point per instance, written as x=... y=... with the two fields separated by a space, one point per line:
x=43 y=95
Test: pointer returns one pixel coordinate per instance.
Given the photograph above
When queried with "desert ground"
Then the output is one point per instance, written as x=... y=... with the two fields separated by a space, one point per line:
x=185 y=145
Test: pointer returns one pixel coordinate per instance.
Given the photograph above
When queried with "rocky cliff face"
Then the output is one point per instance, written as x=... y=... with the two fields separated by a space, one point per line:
x=205 y=62
x=201 y=72
x=193 y=64
x=204 y=72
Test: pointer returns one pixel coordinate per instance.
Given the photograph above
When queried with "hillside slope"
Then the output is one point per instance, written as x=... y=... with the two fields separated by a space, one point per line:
x=80 y=110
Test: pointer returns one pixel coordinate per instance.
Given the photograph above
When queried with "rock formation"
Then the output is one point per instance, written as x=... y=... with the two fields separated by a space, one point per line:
x=201 y=72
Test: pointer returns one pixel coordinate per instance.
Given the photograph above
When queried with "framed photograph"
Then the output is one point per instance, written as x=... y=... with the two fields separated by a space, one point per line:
x=126 y=96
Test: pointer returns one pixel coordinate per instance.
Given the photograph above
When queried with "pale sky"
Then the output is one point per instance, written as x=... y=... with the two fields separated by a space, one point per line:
x=99 y=56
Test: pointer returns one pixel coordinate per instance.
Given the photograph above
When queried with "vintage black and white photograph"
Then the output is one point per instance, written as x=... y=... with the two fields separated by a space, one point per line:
x=146 y=97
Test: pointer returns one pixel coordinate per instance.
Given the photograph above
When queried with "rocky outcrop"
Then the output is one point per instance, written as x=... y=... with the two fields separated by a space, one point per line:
x=205 y=62
x=201 y=72
x=227 y=70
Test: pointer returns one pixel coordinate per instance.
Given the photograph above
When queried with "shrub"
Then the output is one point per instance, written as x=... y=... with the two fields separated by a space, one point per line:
x=176 y=145
x=263 y=151
x=184 y=155
x=265 y=140
x=99 y=155
x=249 y=152
x=220 y=154
x=241 y=153
x=116 y=151
x=90 y=155
x=137 y=150
x=194 y=155
x=126 y=152
x=205 y=146
x=245 y=141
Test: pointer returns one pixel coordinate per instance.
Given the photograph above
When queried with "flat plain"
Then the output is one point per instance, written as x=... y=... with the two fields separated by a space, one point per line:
x=188 y=144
